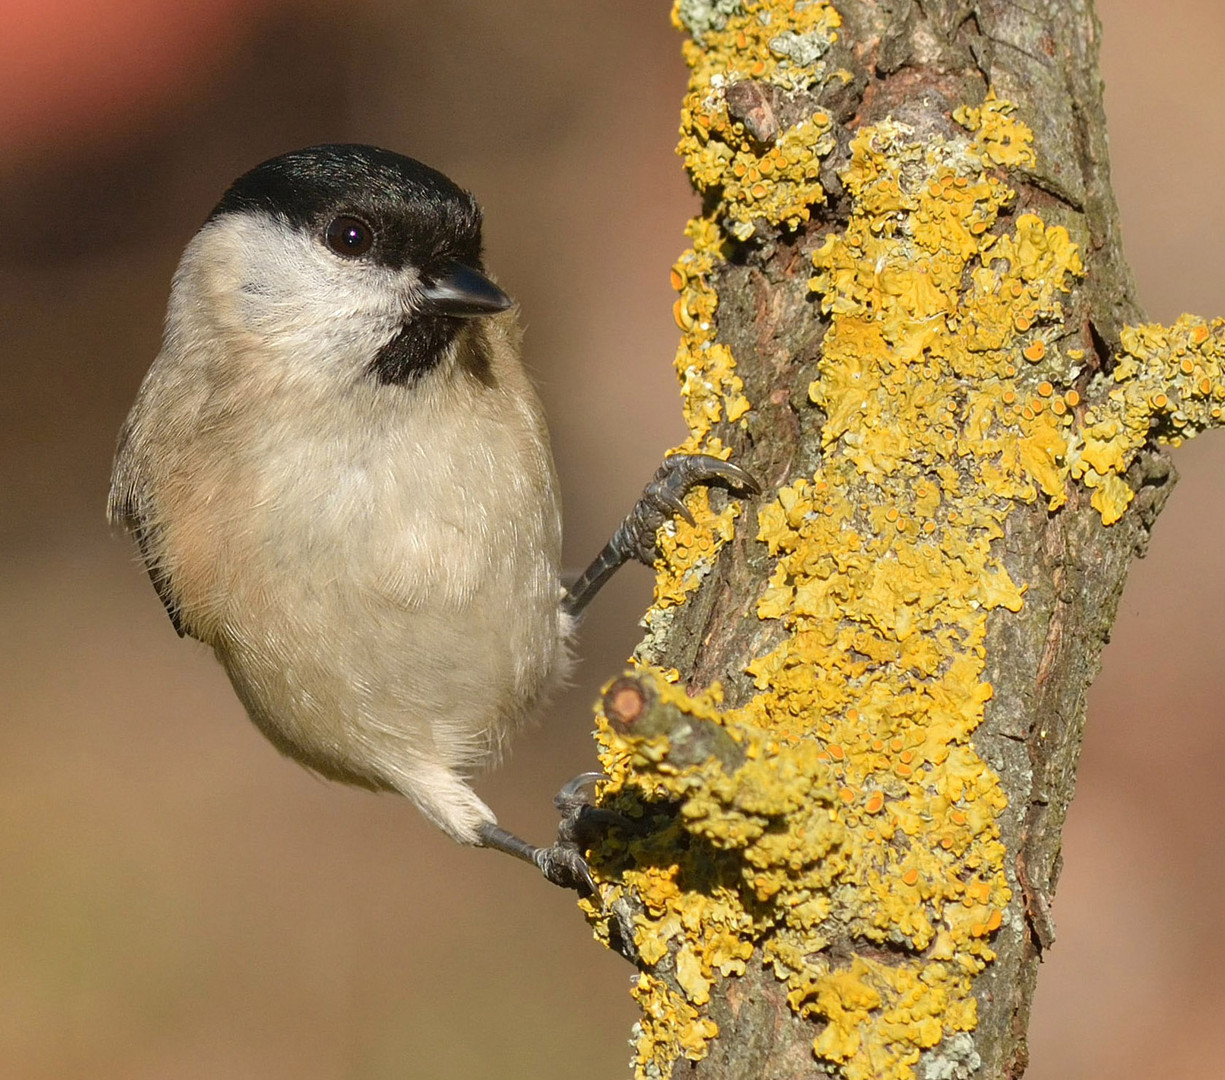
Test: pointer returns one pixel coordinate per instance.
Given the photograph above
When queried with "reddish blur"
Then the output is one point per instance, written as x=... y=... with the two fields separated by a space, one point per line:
x=176 y=900
x=78 y=71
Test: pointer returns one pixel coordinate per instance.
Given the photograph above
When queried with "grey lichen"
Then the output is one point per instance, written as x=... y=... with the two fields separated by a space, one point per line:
x=801 y=53
x=802 y=49
x=700 y=17
x=956 y=1059
x=657 y=634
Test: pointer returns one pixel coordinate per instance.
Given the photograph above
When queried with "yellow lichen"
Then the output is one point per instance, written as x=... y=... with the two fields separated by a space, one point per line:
x=687 y=551
x=1168 y=384
x=778 y=179
x=776 y=182
x=670 y=1027
x=751 y=830
x=710 y=388
x=952 y=392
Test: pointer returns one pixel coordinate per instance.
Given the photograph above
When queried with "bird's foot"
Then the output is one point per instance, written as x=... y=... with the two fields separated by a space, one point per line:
x=664 y=498
x=563 y=862
x=661 y=500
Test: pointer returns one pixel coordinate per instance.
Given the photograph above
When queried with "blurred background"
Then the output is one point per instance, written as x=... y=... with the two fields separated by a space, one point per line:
x=178 y=901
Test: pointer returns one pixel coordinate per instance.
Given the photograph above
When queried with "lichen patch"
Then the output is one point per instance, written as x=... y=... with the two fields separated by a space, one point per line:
x=856 y=852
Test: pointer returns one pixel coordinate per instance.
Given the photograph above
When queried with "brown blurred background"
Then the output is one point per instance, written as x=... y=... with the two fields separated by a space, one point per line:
x=176 y=901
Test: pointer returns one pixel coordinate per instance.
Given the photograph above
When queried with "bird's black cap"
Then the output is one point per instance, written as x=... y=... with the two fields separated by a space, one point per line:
x=419 y=216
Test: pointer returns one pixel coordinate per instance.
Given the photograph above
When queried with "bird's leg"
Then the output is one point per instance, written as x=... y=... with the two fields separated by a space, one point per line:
x=662 y=499
x=581 y=825
x=563 y=862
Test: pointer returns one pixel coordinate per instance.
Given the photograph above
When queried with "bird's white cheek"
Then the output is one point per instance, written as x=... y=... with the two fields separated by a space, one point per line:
x=281 y=291
x=322 y=319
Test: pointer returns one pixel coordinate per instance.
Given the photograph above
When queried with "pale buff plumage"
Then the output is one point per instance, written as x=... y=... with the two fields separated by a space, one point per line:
x=376 y=566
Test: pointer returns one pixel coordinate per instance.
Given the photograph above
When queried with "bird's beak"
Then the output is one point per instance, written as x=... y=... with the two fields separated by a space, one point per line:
x=460 y=291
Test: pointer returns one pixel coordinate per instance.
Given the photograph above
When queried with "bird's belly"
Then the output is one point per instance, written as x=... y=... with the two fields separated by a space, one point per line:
x=367 y=636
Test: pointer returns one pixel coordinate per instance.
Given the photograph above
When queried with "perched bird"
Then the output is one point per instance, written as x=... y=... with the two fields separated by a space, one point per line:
x=339 y=478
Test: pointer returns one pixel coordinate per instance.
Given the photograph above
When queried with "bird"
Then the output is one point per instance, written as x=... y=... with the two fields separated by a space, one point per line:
x=339 y=478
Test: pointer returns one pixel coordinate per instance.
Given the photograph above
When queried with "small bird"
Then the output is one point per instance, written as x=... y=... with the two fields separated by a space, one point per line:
x=339 y=478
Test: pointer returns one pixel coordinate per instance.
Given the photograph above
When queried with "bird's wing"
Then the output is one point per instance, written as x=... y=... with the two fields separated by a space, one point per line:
x=158 y=575
x=124 y=507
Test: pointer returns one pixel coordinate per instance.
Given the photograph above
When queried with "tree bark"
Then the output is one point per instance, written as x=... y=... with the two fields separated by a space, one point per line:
x=852 y=732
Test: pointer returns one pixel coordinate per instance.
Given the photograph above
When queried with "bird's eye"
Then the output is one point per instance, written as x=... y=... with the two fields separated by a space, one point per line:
x=349 y=236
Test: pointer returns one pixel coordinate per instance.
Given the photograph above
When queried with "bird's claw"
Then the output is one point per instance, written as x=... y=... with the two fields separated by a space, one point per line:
x=661 y=500
x=564 y=865
x=581 y=827
x=664 y=498
x=577 y=793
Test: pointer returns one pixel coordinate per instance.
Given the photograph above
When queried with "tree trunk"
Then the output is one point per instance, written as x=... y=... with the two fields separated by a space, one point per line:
x=852 y=732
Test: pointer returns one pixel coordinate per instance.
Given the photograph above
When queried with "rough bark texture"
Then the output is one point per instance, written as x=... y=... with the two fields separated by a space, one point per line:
x=914 y=62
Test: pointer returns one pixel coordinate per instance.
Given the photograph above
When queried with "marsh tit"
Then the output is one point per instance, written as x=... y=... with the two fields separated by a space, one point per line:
x=339 y=478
